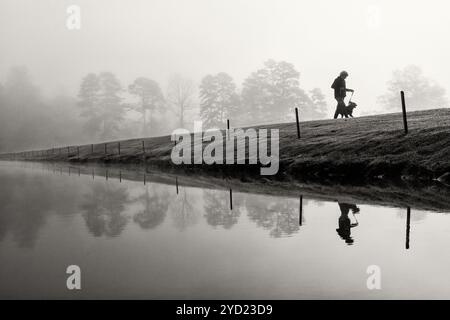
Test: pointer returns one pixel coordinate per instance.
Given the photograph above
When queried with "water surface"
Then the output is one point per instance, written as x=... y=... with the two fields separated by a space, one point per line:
x=154 y=240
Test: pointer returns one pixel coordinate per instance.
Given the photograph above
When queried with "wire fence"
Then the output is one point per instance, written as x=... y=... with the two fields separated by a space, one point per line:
x=112 y=149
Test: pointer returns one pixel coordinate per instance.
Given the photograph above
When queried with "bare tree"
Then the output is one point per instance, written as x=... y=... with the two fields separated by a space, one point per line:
x=180 y=94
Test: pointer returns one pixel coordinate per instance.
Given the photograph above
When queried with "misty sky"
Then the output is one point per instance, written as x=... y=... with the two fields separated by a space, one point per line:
x=156 y=38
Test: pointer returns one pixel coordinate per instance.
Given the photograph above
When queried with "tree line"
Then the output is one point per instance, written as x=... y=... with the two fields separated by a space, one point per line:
x=269 y=94
x=104 y=109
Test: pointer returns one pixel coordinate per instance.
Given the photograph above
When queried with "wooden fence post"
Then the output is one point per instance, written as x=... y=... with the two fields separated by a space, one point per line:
x=405 y=121
x=298 y=124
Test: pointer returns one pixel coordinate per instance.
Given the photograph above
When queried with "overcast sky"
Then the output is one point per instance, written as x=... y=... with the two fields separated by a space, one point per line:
x=156 y=38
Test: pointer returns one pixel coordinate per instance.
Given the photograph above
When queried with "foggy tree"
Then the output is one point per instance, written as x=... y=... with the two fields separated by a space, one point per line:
x=30 y=120
x=218 y=100
x=99 y=98
x=23 y=111
x=271 y=94
x=420 y=92
x=180 y=94
x=89 y=96
x=150 y=96
x=112 y=109
x=319 y=109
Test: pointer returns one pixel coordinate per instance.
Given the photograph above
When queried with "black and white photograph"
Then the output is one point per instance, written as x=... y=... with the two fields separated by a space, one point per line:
x=225 y=151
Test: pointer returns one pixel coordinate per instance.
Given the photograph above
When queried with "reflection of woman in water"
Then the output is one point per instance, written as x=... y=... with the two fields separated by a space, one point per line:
x=344 y=222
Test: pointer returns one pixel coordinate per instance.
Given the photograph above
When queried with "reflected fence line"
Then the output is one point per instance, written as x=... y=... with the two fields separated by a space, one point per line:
x=47 y=154
x=300 y=211
x=116 y=175
x=408 y=221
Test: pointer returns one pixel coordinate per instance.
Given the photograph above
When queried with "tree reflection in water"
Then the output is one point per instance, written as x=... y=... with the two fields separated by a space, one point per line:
x=217 y=208
x=103 y=209
x=155 y=205
x=27 y=200
x=184 y=214
x=279 y=215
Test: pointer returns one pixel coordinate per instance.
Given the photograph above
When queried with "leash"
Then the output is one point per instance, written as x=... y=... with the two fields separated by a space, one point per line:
x=351 y=97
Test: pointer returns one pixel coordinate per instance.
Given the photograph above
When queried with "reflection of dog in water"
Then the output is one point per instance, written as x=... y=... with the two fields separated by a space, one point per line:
x=344 y=222
x=346 y=111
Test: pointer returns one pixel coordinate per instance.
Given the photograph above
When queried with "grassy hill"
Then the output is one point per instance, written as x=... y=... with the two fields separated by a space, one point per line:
x=359 y=149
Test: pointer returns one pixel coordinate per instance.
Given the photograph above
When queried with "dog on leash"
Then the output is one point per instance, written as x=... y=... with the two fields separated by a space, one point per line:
x=347 y=110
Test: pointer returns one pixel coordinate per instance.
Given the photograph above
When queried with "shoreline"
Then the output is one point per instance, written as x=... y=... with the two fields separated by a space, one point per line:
x=351 y=151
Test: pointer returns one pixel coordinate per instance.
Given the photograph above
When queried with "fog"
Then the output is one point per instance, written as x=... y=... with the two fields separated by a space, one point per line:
x=159 y=38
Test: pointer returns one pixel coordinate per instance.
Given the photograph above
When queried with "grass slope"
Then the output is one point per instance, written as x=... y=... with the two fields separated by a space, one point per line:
x=365 y=148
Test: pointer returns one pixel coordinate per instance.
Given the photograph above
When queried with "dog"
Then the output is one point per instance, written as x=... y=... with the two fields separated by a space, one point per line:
x=347 y=110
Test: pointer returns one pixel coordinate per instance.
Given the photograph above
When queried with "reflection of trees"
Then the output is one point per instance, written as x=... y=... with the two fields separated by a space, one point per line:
x=155 y=208
x=26 y=200
x=185 y=215
x=279 y=215
x=103 y=208
x=217 y=208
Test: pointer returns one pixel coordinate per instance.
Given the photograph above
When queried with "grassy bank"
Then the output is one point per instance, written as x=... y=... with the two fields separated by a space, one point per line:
x=359 y=149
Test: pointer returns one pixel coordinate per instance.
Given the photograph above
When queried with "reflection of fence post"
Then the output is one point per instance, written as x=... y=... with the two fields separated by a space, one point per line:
x=408 y=219
x=144 y=179
x=298 y=125
x=120 y=176
x=176 y=183
x=405 y=122
x=231 y=199
x=301 y=211
x=106 y=174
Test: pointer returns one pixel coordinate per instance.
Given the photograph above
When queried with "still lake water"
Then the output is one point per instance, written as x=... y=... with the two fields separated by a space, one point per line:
x=146 y=241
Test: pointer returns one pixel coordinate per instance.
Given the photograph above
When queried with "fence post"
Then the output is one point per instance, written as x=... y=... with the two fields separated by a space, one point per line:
x=228 y=129
x=68 y=151
x=231 y=199
x=106 y=152
x=78 y=152
x=300 y=218
x=298 y=125
x=405 y=121
x=408 y=218
x=119 y=147
x=92 y=148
